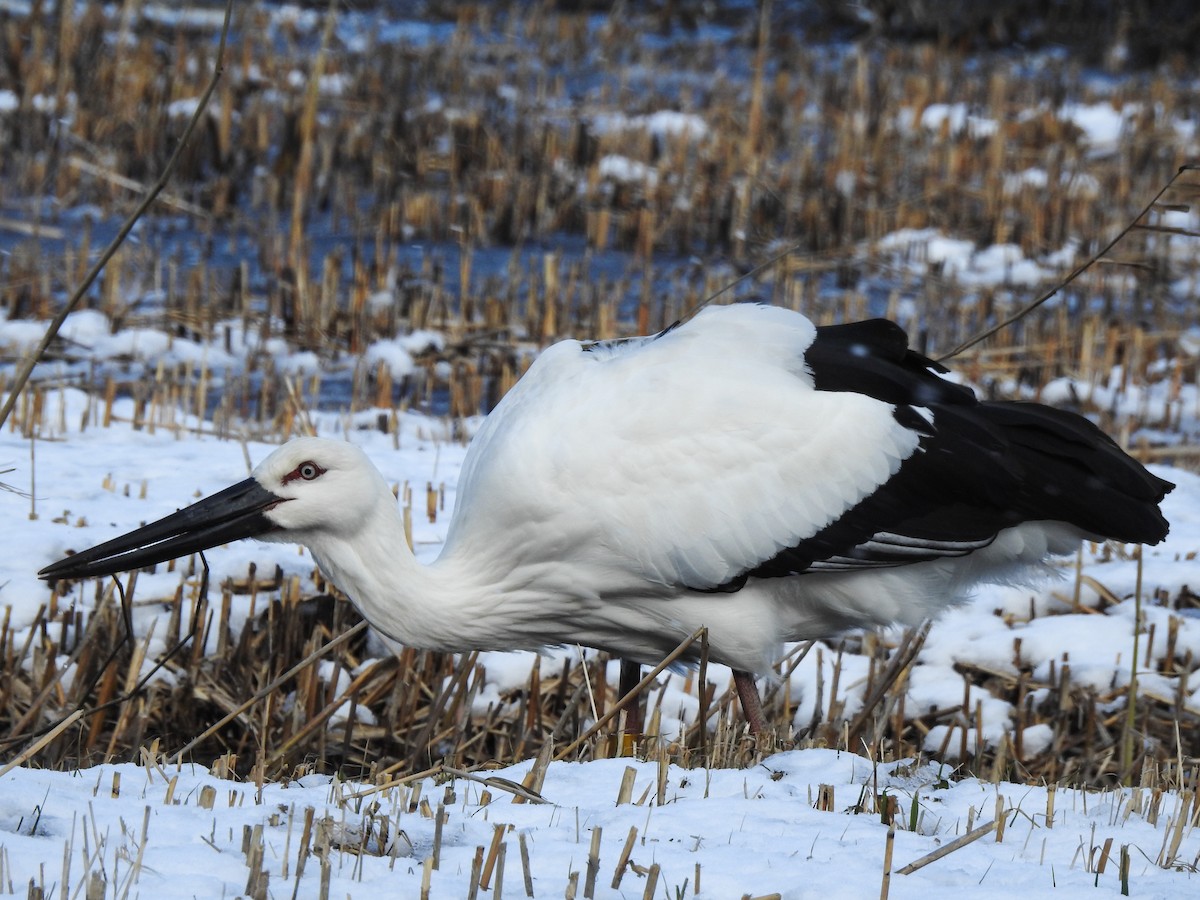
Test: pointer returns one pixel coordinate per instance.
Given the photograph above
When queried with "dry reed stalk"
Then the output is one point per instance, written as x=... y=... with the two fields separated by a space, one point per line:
x=26 y=368
x=723 y=191
x=886 y=883
x=623 y=859
x=946 y=849
x=526 y=872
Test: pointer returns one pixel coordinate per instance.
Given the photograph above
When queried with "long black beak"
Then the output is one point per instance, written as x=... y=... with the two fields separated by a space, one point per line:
x=234 y=513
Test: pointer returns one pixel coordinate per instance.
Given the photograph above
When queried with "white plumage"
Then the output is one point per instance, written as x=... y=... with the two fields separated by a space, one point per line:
x=682 y=459
x=743 y=471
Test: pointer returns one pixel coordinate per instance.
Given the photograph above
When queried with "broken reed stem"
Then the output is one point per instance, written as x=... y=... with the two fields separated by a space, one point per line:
x=945 y=850
x=623 y=859
x=886 y=885
x=593 y=864
x=493 y=853
x=526 y=871
x=651 y=881
x=78 y=162
x=41 y=742
x=503 y=784
x=272 y=687
x=432 y=771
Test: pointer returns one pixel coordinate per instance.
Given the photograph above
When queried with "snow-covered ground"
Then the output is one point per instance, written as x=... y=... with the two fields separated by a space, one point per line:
x=181 y=833
x=163 y=831
x=745 y=832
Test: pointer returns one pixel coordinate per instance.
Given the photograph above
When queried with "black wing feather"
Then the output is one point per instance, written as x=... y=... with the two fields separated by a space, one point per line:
x=982 y=466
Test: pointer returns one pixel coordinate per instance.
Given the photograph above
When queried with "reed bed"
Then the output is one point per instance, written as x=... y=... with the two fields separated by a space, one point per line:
x=272 y=702
x=504 y=182
x=461 y=144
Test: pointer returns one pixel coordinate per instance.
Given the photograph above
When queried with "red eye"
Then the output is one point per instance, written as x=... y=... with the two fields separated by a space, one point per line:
x=309 y=471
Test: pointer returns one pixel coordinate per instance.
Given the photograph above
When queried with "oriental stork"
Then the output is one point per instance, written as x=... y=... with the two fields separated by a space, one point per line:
x=744 y=471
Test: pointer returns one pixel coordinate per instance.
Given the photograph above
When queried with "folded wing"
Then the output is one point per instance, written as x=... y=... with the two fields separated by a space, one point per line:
x=747 y=443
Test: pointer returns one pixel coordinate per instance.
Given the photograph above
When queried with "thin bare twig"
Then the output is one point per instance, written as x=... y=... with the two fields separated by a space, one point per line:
x=22 y=376
x=1079 y=270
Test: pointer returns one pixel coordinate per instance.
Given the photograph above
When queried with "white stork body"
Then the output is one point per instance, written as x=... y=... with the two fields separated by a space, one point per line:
x=744 y=471
x=613 y=490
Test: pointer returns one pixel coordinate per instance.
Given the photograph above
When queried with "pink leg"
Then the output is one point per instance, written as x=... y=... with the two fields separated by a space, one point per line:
x=751 y=704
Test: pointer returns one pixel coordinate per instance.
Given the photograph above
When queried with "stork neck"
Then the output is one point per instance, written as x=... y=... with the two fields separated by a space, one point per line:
x=375 y=567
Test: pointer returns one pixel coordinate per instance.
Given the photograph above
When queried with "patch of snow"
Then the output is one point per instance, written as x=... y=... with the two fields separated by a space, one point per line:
x=626 y=170
x=957 y=118
x=1102 y=124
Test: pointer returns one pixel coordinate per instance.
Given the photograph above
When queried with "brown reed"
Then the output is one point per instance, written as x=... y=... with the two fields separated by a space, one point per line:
x=320 y=221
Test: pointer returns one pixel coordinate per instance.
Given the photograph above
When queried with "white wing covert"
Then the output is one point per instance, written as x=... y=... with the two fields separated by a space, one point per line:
x=686 y=459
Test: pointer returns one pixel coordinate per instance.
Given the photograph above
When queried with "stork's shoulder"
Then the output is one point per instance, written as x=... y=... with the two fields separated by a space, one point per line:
x=769 y=335
x=746 y=346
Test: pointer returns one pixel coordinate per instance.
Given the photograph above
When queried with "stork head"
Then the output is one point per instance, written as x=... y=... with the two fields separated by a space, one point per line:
x=318 y=485
x=308 y=486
